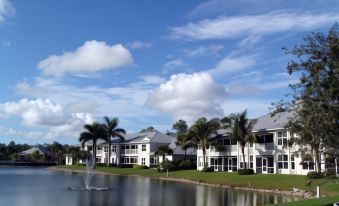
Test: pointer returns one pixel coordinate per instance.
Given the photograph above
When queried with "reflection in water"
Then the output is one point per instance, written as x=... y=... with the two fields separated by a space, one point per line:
x=31 y=186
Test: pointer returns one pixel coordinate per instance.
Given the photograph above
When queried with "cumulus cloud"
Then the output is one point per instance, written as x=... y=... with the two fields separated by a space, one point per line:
x=209 y=50
x=188 y=97
x=226 y=27
x=91 y=57
x=6 y=10
x=43 y=113
x=139 y=45
x=152 y=79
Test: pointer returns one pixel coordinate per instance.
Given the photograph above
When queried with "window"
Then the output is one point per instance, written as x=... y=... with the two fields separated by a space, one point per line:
x=265 y=138
x=292 y=162
x=105 y=149
x=114 y=148
x=308 y=165
x=154 y=161
x=282 y=161
x=99 y=148
x=89 y=148
x=143 y=147
x=201 y=161
x=282 y=138
x=251 y=162
x=143 y=161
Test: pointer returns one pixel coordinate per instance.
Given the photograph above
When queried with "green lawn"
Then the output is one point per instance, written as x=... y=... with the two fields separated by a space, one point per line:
x=329 y=187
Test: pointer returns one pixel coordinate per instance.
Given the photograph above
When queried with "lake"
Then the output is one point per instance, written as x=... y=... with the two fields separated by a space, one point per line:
x=28 y=186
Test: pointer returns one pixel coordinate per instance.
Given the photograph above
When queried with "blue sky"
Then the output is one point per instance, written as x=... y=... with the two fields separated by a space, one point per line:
x=67 y=63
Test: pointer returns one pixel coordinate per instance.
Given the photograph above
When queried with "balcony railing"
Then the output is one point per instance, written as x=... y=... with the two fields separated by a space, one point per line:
x=129 y=151
x=266 y=146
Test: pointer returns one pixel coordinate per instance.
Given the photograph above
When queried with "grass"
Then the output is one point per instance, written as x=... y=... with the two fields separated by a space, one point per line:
x=314 y=202
x=329 y=187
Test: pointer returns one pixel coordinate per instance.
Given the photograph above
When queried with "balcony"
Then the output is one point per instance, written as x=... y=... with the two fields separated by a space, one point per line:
x=129 y=151
x=265 y=147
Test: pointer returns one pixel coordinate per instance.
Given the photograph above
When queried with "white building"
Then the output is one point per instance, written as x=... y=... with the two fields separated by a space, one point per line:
x=270 y=154
x=137 y=148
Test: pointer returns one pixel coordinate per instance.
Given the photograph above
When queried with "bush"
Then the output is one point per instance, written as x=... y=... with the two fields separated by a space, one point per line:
x=124 y=166
x=245 y=171
x=187 y=165
x=80 y=164
x=166 y=165
x=314 y=175
x=208 y=169
x=140 y=167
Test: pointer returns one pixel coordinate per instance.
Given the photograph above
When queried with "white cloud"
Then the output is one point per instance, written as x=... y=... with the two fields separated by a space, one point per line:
x=175 y=63
x=188 y=97
x=6 y=10
x=256 y=107
x=139 y=45
x=91 y=57
x=29 y=135
x=231 y=64
x=43 y=113
x=226 y=27
x=209 y=50
x=152 y=79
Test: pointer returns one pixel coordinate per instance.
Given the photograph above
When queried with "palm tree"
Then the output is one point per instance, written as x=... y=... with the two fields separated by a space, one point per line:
x=241 y=130
x=94 y=132
x=163 y=150
x=201 y=132
x=110 y=125
x=184 y=141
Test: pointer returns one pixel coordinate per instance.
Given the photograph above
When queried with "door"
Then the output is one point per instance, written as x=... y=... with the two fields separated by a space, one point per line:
x=264 y=165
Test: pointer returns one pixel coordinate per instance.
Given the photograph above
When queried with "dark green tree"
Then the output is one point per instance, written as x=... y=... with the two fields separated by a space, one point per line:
x=112 y=130
x=240 y=130
x=163 y=150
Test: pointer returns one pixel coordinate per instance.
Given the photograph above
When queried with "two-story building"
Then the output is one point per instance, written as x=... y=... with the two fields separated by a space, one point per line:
x=271 y=152
x=137 y=148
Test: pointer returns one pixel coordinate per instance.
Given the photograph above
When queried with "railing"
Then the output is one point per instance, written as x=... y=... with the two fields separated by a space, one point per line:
x=267 y=146
x=99 y=152
x=226 y=148
x=129 y=151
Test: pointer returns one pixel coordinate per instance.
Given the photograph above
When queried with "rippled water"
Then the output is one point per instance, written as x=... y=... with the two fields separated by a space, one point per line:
x=40 y=187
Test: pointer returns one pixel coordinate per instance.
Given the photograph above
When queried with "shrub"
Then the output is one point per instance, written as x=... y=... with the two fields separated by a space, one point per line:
x=80 y=164
x=245 y=171
x=208 y=169
x=140 y=167
x=314 y=175
x=166 y=165
x=124 y=166
x=187 y=165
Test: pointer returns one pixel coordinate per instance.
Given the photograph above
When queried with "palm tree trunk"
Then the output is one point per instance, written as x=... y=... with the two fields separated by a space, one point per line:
x=185 y=155
x=109 y=152
x=317 y=160
x=243 y=156
x=94 y=157
x=204 y=157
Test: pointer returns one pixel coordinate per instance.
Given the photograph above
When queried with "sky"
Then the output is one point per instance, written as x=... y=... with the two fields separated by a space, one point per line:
x=66 y=63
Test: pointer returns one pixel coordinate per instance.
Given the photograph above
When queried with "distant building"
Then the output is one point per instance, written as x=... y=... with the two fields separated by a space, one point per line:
x=137 y=148
x=41 y=150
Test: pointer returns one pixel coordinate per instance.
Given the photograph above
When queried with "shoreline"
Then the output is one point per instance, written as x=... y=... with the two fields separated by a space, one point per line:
x=300 y=193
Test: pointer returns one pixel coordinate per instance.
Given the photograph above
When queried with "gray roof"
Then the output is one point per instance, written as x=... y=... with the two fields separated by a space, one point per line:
x=267 y=122
x=38 y=148
x=177 y=149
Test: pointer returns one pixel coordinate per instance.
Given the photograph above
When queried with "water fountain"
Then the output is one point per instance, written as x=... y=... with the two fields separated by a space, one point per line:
x=87 y=176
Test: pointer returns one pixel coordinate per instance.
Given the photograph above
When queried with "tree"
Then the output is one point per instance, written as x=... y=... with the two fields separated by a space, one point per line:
x=110 y=126
x=35 y=156
x=148 y=129
x=163 y=150
x=184 y=141
x=314 y=100
x=201 y=132
x=93 y=132
x=58 y=151
x=241 y=130
x=180 y=126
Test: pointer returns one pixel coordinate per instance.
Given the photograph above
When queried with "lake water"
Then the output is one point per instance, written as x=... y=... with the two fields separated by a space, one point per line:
x=26 y=186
